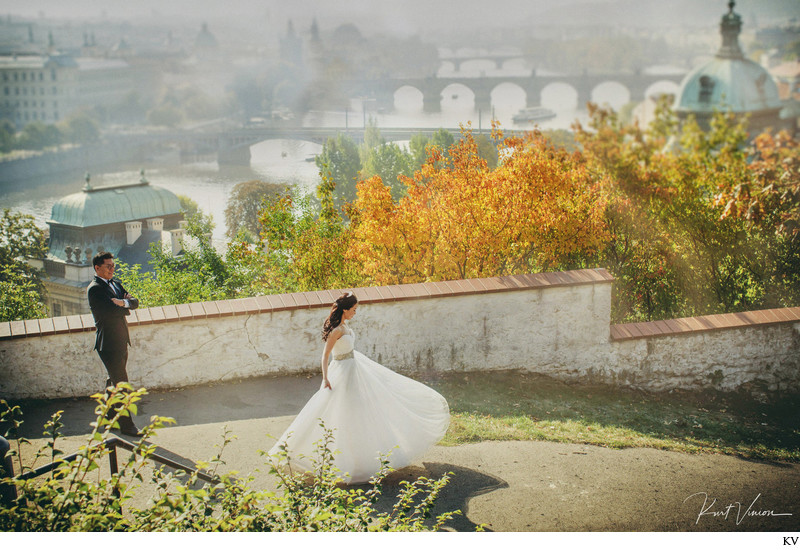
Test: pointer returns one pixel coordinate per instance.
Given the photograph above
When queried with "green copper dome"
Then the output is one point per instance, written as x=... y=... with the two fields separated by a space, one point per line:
x=737 y=85
x=107 y=205
x=729 y=82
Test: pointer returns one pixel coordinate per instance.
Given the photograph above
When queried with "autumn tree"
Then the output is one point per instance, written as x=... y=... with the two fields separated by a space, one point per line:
x=460 y=220
x=767 y=201
x=487 y=150
x=770 y=196
x=420 y=143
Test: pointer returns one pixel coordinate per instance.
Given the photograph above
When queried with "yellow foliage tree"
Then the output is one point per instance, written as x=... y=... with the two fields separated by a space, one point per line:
x=459 y=219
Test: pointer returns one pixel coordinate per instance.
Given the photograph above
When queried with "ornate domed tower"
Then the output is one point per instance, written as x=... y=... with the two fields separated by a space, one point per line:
x=121 y=219
x=731 y=83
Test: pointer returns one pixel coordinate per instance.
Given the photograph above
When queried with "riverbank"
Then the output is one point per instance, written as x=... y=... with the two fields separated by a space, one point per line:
x=65 y=160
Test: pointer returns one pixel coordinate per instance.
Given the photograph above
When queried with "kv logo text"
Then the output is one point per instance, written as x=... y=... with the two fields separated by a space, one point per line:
x=790 y=541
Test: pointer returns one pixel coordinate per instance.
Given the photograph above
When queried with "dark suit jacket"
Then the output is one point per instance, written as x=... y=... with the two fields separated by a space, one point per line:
x=109 y=318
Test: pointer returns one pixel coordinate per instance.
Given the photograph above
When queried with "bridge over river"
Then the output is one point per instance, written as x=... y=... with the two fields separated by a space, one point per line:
x=232 y=145
x=639 y=86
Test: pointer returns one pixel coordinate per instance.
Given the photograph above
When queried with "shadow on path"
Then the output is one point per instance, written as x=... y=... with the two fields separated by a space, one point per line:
x=464 y=484
x=236 y=400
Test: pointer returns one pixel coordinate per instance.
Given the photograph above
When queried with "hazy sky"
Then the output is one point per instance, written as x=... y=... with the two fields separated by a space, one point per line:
x=407 y=16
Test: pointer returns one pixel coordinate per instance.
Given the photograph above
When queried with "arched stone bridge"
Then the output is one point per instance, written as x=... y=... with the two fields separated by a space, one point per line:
x=433 y=88
x=499 y=59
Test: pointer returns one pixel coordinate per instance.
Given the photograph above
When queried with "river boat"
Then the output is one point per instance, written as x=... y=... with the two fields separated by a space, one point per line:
x=533 y=114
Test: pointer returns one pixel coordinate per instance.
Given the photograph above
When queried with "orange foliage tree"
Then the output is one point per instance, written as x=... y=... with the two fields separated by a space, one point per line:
x=459 y=219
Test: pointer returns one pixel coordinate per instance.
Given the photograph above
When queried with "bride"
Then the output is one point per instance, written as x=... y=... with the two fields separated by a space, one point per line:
x=372 y=410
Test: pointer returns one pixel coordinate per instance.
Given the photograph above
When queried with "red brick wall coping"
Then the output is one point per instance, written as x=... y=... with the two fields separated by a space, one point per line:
x=313 y=299
x=671 y=327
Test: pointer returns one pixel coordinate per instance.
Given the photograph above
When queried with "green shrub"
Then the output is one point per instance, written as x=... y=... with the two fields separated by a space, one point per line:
x=66 y=499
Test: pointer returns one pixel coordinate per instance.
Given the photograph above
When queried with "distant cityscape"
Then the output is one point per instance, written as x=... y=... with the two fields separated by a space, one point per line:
x=121 y=72
x=129 y=91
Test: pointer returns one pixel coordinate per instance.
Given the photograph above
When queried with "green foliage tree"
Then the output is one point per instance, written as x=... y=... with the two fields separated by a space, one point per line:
x=189 y=206
x=443 y=139
x=80 y=128
x=165 y=115
x=8 y=136
x=306 y=249
x=37 y=135
x=245 y=203
x=199 y=273
x=390 y=163
x=341 y=163
x=20 y=298
x=20 y=286
x=417 y=146
x=420 y=145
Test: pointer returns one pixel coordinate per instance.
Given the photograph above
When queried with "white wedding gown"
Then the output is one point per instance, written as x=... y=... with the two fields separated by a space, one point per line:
x=372 y=411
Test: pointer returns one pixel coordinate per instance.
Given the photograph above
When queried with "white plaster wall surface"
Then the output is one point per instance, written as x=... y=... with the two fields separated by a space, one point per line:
x=211 y=350
x=527 y=329
x=52 y=366
x=768 y=356
x=560 y=331
x=511 y=330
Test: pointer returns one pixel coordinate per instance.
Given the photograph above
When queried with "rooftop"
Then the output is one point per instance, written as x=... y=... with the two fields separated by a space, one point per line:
x=729 y=81
x=95 y=206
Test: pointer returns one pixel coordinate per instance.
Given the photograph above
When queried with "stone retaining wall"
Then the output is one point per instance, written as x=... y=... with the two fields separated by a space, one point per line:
x=552 y=323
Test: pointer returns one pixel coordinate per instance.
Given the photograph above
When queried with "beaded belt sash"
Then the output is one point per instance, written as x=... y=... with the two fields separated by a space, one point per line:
x=342 y=357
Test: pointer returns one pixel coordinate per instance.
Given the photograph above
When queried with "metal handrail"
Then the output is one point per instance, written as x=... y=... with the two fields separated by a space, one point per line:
x=9 y=493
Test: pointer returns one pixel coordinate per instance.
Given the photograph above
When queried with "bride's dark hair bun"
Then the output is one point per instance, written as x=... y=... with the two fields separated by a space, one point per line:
x=343 y=302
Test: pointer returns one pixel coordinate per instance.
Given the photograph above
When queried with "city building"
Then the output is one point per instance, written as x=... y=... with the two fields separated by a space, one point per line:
x=48 y=88
x=121 y=219
x=732 y=83
x=787 y=76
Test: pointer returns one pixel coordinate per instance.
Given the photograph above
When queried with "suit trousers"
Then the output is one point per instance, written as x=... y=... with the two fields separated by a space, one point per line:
x=115 y=361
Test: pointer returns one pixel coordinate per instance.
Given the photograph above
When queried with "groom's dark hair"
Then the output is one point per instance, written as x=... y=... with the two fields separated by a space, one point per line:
x=101 y=257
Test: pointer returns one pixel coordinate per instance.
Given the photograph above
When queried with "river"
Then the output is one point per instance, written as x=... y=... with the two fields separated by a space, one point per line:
x=285 y=161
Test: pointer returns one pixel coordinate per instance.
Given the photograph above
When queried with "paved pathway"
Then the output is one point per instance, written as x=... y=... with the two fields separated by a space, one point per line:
x=507 y=486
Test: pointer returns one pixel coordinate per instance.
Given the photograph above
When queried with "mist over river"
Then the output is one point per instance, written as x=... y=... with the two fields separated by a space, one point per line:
x=287 y=161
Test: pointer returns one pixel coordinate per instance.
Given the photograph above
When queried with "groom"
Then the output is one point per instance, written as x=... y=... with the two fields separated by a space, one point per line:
x=110 y=304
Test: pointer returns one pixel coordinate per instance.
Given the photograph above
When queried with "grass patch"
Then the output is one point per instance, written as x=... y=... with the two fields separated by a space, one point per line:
x=518 y=406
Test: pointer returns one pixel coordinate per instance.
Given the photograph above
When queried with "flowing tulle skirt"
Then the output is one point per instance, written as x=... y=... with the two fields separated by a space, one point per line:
x=372 y=411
